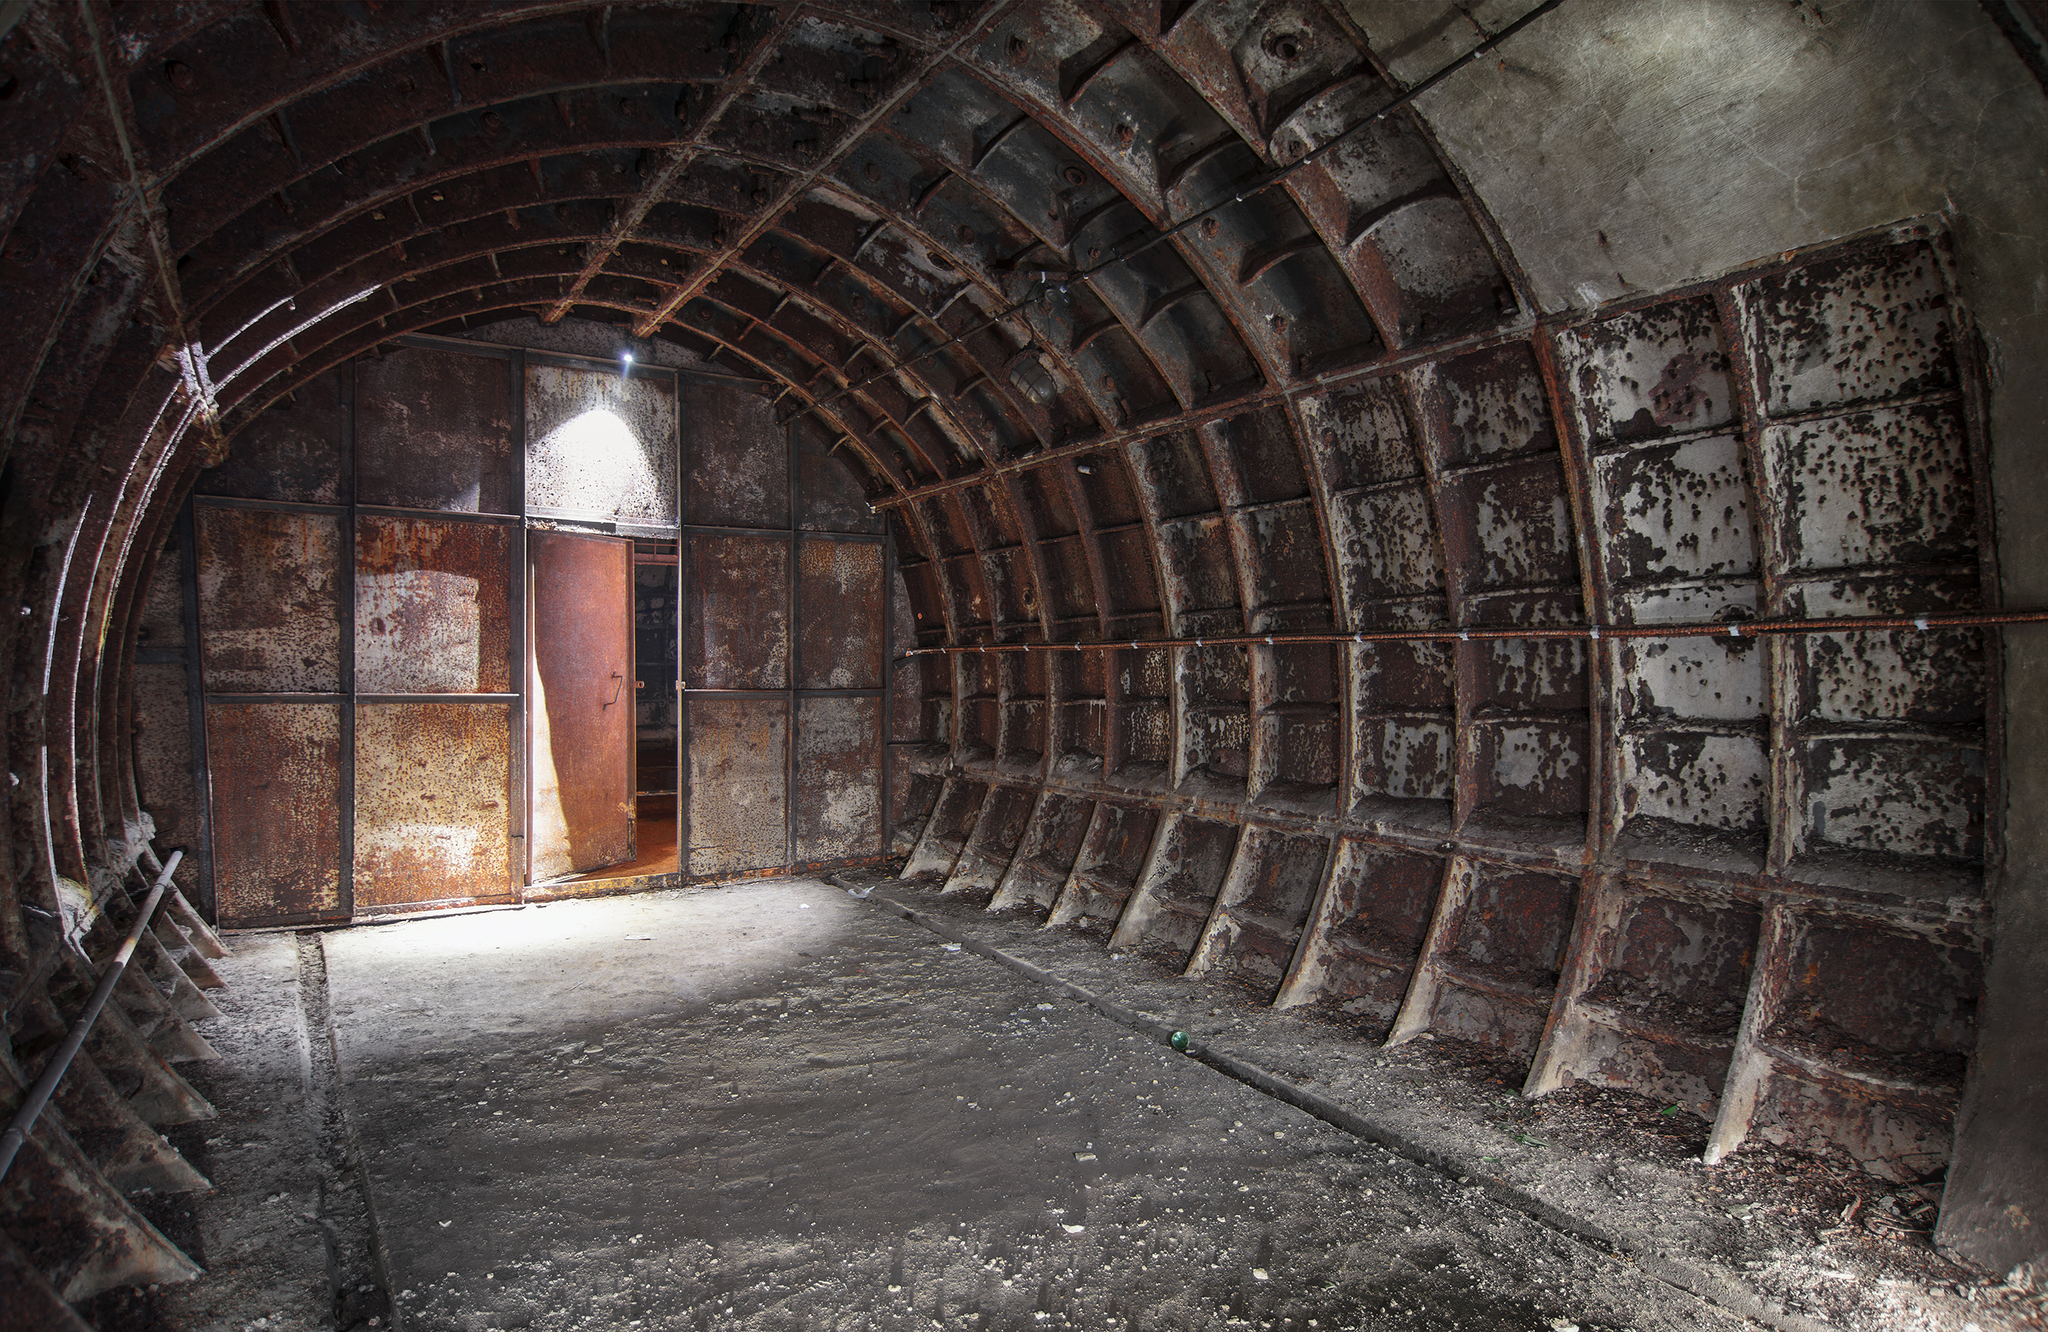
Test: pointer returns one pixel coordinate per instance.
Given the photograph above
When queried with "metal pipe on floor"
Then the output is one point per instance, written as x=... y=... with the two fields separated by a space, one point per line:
x=53 y=1072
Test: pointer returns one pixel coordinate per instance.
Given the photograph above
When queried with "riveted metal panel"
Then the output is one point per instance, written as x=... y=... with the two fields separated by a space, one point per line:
x=269 y=600
x=911 y=795
x=1682 y=966
x=830 y=497
x=1904 y=795
x=1112 y=856
x=1900 y=479
x=432 y=606
x=275 y=782
x=1080 y=714
x=739 y=788
x=162 y=624
x=839 y=587
x=163 y=754
x=1491 y=405
x=1676 y=511
x=1855 y=329
x=1650 y=373
x=1046 y=856
x=1501 y=964
x=433 y=803
x=434 y=431
x=1510 y=527
x=1530 y=767
x=1515 y=926
x=293 y=451
x=1392 y=566
x=987 y=852
x=736 y=631
x=739 y=464
x=838 y=813
x=1695 y=778
x=599 y=444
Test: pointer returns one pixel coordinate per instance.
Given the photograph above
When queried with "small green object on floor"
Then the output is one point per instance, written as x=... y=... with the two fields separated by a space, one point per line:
x=1179 y=1041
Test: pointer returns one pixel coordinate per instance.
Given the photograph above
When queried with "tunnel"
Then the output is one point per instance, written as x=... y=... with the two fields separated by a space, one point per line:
x=1499 y=531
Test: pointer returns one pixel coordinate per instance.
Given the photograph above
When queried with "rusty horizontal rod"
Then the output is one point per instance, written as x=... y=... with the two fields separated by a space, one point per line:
x=1594 y=632
x=53 y=1072
x=1056 y=279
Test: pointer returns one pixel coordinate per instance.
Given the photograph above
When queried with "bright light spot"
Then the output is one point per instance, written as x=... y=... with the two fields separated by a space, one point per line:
x=627 y=357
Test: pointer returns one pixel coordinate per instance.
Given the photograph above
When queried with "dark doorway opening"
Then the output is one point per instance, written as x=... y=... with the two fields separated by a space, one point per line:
x=657 y=710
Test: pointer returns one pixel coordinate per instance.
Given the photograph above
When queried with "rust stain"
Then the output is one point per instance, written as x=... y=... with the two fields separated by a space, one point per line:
x=275 y=781
x=433 y=803
x=738 y=789
x=269 y=600
x=431 y=606
x=433 y=431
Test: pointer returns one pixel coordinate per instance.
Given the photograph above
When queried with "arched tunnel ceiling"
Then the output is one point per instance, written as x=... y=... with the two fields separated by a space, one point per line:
x=816 y=190
x=1008 y=259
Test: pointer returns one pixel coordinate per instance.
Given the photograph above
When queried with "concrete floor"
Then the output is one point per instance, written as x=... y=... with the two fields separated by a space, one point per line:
x=772 y=1106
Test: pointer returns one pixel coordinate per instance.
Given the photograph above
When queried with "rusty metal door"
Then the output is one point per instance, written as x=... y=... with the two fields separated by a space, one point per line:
x=580 y=687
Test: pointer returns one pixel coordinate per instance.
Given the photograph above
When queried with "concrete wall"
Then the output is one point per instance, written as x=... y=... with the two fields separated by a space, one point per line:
x=1630 y=146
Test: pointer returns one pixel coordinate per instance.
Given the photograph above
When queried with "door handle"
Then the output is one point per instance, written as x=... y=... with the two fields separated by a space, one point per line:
x=617 y=689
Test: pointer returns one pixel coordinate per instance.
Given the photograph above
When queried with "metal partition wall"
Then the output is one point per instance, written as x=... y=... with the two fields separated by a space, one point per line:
x=785 y=639
x=358 y=629
x=359 y=640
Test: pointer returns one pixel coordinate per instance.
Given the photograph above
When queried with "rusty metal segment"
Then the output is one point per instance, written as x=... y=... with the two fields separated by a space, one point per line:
x=1863 y=327
x=1078 y=730
x=432 y=606
x=1106 y=870
x=736 y=632
x=275 y=780
x=162 y=623
x=1666 y=1003
x=988 y=850
x=739 y=789
x=1258 y=919
x=946 y=831
x=433 y=804
x=1650 y=374
x=163 y=755
x=1404 y=718
x=580 y=708
x=1501 y=961
x=1364 y=942
x=1297 y=749
x=1020 y=743
x=830 y=496
x=912 y=795
x=1869 y=1044
x=1165 y=918
x=978 y=697
x=839 y=587
x=1045 y=858
x=739 y=458
x=600 y=445
x=838 y=813
x=433 y=431
x=295 y=451
x=269 y=600
x=1142 y=740
x=1216 y=724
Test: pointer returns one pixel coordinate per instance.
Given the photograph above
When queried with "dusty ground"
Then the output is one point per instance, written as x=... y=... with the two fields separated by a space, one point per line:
x=784 y=1108
x=1814 y=1238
